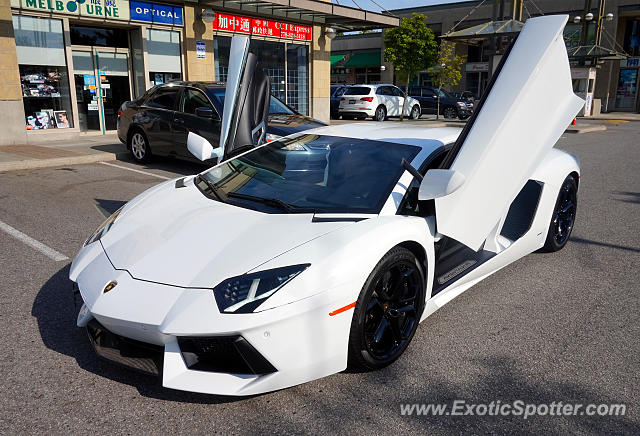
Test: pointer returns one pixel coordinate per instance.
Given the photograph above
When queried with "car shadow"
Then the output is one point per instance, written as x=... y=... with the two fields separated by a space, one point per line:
x=56 y=314
x=171 y=164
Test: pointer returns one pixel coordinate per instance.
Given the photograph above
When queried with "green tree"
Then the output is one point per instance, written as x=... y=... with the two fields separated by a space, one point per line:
x=448 y=69
x=410 y=47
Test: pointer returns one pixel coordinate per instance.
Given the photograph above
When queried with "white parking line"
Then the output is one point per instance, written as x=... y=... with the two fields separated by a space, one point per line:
x=47 y=251
x=135 y=171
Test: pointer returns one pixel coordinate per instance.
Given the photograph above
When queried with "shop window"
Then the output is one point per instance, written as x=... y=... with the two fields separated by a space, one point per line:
x=43 y=72
x=221 y=50
x=293 y=88
x=271 y=57
x=632 y=37
x=297 y=77
x=99 y=37
x=163 y=56
x=627 y=86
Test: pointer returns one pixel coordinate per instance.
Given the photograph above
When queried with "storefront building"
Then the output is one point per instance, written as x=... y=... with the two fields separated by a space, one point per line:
x=76 y=61
x=616 y=82
x=616 y=86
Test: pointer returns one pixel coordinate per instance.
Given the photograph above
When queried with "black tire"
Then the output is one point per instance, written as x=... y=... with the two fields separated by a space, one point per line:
x=138 y=144
x=380 y=114
x=387 y=311
x=449 y=112
x=564 y=216
x=415 y=112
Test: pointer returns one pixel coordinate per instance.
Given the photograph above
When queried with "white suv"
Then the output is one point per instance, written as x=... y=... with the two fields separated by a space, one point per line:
x=376 y=101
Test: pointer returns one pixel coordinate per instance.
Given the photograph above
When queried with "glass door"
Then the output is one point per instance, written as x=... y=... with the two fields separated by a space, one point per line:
x=102 y=84
x=114 y=84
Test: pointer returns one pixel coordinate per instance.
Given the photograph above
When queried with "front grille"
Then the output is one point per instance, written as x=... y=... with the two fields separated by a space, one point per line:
x=140 y=356
x=228 y=354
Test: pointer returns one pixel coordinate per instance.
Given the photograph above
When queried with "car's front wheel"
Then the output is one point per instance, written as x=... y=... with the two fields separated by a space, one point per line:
x=449 y=112
x=564 y=216
x=139 y=146
x=387 y=311
x=380 y=114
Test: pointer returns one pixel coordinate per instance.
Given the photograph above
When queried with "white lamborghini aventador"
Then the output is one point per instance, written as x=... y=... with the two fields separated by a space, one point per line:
x=290 y=260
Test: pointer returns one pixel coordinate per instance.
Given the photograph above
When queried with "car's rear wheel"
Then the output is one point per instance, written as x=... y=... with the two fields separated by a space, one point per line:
x=380 y=114
x=387 y=311
x=415 y=112
x=139 y=146
x=564 y=215
x=449 y=112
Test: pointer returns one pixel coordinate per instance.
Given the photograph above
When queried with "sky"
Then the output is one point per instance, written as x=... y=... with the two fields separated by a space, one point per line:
x=390 y=4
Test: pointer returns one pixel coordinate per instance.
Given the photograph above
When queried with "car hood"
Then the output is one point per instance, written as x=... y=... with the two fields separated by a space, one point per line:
x=286 y=124
x=177 y=236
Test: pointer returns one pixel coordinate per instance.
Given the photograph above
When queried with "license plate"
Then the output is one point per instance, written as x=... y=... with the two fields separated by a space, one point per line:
x=352 y=102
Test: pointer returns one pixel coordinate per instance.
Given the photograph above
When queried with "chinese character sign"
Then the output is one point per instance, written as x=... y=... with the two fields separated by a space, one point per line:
x=261 y=27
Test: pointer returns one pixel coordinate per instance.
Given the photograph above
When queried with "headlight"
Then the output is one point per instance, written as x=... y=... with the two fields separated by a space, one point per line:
x=245 y=293
x=104 y=228
x=271 y=137
x=462 y=105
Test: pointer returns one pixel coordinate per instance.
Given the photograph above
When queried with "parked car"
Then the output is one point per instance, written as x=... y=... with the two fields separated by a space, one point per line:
x=467 y=97
x=159 y=122
x=376 y=101
x=335 y=94
x=450 y=106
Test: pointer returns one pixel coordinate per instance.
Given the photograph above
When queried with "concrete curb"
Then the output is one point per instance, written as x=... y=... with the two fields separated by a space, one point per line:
x=586 y=129
x=27 y=164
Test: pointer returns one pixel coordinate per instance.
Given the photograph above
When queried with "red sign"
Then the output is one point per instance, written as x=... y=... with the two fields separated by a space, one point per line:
x=260 y=27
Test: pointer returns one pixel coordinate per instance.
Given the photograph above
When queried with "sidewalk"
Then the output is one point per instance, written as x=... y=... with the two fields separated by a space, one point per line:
x=98 y=148
x=87 y=149
x=615 y=116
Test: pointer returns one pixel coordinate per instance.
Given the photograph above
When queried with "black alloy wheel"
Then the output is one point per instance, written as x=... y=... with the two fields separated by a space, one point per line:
x=564 y=216
x=450 y=112
x=388 y=311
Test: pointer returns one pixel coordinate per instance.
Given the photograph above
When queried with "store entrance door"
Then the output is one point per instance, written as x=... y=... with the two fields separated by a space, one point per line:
x=102 y=85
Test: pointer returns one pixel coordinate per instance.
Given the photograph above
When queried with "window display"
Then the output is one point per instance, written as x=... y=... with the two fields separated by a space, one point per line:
x=43 y=72
x=42 y=95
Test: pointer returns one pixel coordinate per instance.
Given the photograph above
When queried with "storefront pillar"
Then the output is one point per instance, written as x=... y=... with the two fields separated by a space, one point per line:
x=195 y=32
x=320 y=75
x=11 y=106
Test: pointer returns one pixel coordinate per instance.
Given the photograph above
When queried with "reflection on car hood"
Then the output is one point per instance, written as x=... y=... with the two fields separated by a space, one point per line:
x=177 y=236
x=286 y=124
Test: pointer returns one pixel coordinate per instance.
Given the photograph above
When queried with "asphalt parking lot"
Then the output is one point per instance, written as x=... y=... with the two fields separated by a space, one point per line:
x=548 y=328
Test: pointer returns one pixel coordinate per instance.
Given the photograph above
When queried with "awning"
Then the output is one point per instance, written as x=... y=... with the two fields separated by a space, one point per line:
x=335 y=58
x=364 y=59
x=483 y=31
x=595 y=51
x=342 y=18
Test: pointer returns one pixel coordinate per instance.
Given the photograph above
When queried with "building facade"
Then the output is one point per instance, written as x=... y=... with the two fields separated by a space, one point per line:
x=614 y=84
x=68 y=65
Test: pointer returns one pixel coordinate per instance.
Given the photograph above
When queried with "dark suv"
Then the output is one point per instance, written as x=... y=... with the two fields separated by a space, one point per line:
x=450 y=106
x=159 y=122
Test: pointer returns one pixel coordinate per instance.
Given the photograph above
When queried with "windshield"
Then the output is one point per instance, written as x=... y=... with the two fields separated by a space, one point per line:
x=311 y=173
x=275 y=105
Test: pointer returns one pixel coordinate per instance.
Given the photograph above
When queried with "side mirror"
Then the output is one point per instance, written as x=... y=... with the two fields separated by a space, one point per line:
x=200 y=147
x=439 y=183
x=207 y=112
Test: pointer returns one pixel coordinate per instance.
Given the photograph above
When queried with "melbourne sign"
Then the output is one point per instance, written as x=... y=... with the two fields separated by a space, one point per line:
x=109 y=9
